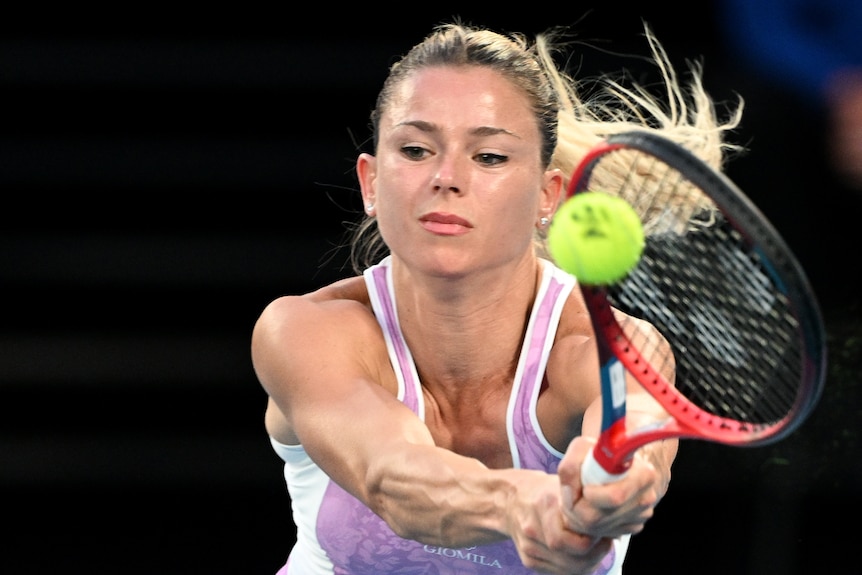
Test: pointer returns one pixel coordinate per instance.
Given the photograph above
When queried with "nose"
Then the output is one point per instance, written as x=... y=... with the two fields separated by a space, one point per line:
x=446 y=178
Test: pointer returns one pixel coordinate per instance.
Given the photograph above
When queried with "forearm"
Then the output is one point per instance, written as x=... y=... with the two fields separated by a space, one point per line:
x=644 y=411
x=661 y=455
x=435 y=496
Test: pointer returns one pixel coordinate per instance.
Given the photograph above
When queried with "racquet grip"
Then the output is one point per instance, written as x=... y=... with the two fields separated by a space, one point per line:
x=592 y=472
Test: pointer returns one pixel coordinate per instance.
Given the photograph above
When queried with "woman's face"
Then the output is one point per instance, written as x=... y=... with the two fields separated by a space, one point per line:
x=457 y=182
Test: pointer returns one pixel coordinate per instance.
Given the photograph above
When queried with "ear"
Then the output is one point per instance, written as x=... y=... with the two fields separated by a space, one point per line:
x=366 y=172
x=552 y=193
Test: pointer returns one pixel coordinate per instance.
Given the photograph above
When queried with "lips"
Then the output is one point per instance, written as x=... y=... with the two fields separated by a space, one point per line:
x=445 y=224
x=439 y=218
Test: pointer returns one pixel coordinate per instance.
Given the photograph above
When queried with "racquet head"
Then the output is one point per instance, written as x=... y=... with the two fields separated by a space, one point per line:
x=747 y=347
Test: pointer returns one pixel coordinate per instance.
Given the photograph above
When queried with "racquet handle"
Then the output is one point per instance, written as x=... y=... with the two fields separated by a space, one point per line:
x=592 y=472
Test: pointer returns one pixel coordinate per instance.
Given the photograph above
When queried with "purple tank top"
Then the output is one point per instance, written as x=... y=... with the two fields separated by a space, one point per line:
x=358 y=542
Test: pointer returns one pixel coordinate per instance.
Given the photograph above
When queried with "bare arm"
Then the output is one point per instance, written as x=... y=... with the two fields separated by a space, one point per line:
x=623 y=506
x=315 y=360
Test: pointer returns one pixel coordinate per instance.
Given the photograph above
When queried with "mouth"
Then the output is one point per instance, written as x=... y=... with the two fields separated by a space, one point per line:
x=445 y=224
x=440 y=218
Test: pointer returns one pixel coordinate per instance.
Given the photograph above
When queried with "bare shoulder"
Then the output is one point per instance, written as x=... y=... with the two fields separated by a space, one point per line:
x=647 y=338
x=323 y=312
x=308 y=350
x=294 y=334
x=575 y=342
x=348 y=289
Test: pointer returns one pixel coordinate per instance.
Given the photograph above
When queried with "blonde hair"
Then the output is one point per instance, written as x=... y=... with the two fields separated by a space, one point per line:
x=569 y=121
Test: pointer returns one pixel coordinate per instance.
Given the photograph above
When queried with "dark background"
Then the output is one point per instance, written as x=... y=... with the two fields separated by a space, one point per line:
x=166 y=173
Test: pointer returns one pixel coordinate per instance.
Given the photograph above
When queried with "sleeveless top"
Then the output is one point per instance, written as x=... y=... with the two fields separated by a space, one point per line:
x=338 y=535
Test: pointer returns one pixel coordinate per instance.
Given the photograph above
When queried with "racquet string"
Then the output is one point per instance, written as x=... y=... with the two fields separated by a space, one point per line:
x=734 y=335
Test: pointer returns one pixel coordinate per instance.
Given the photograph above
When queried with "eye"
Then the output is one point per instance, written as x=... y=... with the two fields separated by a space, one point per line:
x=414 y=152
x=491 y=159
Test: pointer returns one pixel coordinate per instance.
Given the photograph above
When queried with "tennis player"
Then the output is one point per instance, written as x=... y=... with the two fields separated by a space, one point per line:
x=433 y=410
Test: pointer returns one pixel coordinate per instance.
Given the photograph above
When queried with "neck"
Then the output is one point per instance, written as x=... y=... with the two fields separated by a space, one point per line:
x=467 y=329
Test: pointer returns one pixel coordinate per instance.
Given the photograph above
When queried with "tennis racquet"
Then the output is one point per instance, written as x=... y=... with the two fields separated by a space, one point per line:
x=746 y=336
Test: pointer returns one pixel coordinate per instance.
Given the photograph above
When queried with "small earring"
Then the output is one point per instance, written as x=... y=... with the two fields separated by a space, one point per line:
x=543 y=221
x=369 y=207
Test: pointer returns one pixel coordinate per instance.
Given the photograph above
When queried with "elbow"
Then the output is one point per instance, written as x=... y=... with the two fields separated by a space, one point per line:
x=386 y=499
x=405 y=506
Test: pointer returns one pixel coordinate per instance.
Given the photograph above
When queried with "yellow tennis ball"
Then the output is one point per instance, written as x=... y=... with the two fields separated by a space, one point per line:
x=596 y=237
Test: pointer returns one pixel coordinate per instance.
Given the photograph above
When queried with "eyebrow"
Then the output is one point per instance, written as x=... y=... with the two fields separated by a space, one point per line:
x=478 y=131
